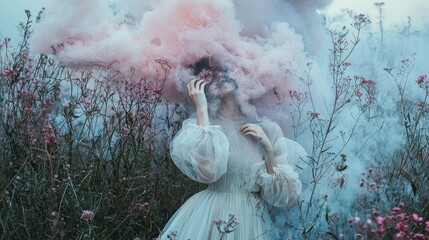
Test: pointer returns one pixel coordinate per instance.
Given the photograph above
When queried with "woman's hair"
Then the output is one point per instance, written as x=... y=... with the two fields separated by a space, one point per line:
x=206 y=63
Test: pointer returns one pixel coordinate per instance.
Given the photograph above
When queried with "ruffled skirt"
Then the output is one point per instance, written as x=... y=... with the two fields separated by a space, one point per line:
x=210 y=215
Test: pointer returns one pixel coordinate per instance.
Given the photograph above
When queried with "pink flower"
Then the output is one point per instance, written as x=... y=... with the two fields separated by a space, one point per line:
x=420 y=79
x=6 y=72
x=143 y=207
x=368 y=82
x=156 y=91
x=417 y=218
x=418 y=235
x=400 y=234
x=372 y=184
x=361 y=184
x=380 y=220
x=396 y=209
x=314 y=115
x=206 y=74
x=354 y=220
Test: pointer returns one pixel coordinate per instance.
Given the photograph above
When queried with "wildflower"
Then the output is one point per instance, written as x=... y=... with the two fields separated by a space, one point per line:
x=143 y=206
x=172 y=235
x=314 y=115
x=361 y=184
x=67 y=104
x=227 y=226
x=396 y=209
x=87 y=215
x=400 y=234
x=372 y=184
x=380 y=220
x=358 y=93
x=419 y=235
x=420 y=79
x=388 y=69
x=422 y=106
x=156 y=91
x=367 y=82
x=6 y=72
x=379 y=4
x=361 y=19
x=417 y=218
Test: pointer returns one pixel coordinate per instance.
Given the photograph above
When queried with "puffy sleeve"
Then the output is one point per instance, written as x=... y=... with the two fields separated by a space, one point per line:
x=283 y=187
x=201 y=153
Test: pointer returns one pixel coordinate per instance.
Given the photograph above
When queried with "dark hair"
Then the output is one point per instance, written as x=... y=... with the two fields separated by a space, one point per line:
x=206 y=63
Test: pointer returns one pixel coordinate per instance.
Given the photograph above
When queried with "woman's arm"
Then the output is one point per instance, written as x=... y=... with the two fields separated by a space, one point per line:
x=198 y=97
x=280 y=184
x=258 y=133
x=200 y=152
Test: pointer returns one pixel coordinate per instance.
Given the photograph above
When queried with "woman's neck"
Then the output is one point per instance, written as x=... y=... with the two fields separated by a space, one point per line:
x=230 y=108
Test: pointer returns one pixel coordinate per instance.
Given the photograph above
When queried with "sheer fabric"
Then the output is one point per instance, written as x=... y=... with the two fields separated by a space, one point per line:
x=233 y=167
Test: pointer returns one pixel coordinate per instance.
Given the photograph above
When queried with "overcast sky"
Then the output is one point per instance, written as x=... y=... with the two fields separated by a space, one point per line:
x=396 y=11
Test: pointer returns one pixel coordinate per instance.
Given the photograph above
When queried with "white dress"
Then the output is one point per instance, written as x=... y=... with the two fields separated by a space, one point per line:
x=239 y=188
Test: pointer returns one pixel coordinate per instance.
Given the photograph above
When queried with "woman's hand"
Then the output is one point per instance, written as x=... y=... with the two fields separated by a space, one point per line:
x=257 y=132
x=196 y=93
x=198 y=97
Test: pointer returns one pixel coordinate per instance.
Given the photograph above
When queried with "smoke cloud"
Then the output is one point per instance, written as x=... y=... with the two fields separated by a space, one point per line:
x=257 y=42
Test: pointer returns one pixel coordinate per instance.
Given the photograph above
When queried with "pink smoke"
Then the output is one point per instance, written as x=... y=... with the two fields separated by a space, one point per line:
x=257 y=53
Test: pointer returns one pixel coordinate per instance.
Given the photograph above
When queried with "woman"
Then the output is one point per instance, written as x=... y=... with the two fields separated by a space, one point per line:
x=243 y=161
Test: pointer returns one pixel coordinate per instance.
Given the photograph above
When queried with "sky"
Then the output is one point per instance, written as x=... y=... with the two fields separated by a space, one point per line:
x=396 y=11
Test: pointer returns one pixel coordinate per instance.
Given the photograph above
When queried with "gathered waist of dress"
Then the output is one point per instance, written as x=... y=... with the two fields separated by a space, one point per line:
x=232 y=189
